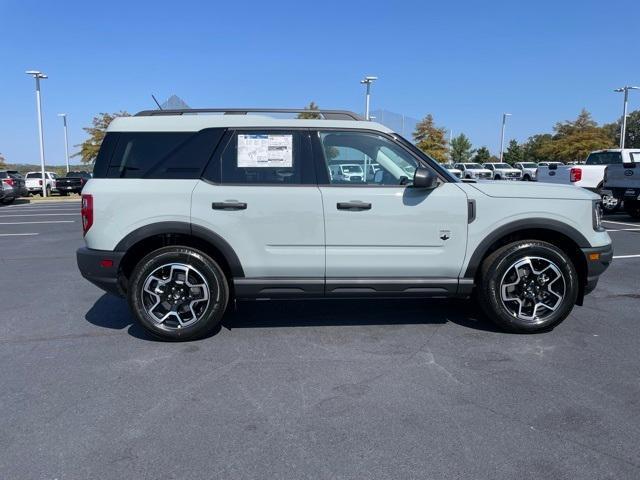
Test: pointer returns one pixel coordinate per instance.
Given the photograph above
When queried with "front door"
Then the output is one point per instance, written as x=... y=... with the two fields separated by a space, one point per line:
x=377 y=226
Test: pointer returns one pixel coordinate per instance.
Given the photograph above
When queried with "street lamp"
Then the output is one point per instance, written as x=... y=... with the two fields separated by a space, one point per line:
x=66 y=138
x=38 y=76
x=504 y=122
x=623 y=127
x=368 y=80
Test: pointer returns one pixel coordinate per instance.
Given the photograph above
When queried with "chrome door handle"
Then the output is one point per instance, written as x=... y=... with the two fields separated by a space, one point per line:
x=354 y=206
x=231 y=205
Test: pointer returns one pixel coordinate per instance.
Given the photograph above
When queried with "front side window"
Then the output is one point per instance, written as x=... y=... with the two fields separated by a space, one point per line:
x=357 y=158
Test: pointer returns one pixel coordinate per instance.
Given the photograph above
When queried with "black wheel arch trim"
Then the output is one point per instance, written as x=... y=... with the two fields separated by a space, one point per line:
x=184 y=228
x=518 y=225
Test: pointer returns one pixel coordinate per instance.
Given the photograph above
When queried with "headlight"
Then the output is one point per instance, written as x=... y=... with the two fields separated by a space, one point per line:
x=597 y=216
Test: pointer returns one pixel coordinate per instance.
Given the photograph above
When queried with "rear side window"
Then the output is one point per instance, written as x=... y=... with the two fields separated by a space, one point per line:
x=160 y=155
x=34 y=175
x=253 y=157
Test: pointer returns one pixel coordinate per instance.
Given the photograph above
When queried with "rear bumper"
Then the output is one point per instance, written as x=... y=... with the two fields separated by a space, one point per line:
x=598 y=260
x=91 y=264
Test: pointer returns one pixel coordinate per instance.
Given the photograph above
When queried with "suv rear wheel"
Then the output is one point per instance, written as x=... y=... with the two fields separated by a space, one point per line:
x=528 y=286
x=178 y=293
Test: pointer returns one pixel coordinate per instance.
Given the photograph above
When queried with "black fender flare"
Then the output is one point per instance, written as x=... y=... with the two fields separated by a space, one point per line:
x=518 y=225
x=184 y=228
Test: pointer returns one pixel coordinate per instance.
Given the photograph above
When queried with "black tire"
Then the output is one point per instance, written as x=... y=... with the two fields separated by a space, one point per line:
x=526 y=178
x=499 y=264
x=48 y=191
x=206 y=269
x=8 y=201
x=497 y=177
x=63 y=194
x=632 y=208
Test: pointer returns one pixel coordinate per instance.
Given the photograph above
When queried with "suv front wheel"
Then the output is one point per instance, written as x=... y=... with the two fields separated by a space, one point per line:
x=178 y=293
x=528 y=286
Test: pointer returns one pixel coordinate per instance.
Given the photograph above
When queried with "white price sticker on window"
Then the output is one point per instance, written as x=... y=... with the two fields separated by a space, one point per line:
x=266 y=151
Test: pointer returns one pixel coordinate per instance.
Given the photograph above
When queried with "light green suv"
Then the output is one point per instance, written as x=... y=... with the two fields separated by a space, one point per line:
x=187 y=211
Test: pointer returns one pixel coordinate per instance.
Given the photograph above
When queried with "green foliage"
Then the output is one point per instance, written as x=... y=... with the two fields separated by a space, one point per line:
x=2 y=161
x=310 y=115
x=632 y=134
x=514 y=153
x=461 y=149
x=533 y=148
x=91 y=146
x=431 y=139
x=573 y=140
x=482 y=155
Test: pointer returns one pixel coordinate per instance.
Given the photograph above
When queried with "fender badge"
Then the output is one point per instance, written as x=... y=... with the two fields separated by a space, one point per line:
x=445 y=234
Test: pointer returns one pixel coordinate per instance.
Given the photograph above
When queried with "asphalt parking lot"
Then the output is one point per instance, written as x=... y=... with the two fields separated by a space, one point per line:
x=336 y=390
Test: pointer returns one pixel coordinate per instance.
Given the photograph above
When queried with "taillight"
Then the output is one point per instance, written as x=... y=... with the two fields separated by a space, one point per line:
x=40 y=182
x=9 y=181
x=575 y=174
x=86 y=211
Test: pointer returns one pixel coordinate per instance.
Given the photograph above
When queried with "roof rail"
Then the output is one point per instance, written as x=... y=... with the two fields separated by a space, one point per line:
x=325 y=114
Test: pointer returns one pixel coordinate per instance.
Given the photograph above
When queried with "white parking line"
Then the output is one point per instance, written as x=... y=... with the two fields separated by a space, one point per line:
x=38 y=214
x=16 y=234
x=622 y=223
x=49 y=221
x=615 y=257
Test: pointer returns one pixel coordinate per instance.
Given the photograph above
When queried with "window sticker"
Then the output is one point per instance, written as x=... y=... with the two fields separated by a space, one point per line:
x=265 y=151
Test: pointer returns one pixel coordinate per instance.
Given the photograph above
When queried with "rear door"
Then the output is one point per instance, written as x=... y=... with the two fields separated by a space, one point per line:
x=261 y=196
x=384 y=231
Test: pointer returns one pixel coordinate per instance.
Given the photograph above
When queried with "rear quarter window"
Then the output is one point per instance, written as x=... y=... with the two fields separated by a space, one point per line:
x=159 y=155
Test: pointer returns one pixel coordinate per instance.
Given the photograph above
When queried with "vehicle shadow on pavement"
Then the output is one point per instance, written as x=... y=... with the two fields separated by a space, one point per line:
x=113 y=313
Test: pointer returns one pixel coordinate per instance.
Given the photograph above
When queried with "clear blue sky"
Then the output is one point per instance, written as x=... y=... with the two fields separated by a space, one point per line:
x=464 y=62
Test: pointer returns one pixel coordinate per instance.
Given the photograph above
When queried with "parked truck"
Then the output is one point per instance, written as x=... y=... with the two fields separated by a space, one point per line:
x=589 y=176
x=622 y=181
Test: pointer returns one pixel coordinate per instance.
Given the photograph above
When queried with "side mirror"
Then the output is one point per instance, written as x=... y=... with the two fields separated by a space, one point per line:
x=424 y=178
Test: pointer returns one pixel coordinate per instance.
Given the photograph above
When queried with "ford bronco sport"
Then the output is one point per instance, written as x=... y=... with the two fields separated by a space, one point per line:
x=188 y=211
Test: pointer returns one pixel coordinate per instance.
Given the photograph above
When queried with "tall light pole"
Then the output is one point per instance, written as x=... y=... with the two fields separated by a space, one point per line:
x=66 y=138
x=504 y=123
x=38 y=76
x=623 y=127
x=368 y=80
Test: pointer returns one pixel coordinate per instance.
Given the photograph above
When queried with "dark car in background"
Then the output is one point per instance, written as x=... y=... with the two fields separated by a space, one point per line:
x=13 y=185
x=72 y=182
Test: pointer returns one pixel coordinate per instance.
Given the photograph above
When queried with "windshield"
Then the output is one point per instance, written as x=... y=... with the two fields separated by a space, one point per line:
x=473 y=166
x=351 y=168
x=604 y=158
x=529 y=165
x=502 y=165
x=77 y=175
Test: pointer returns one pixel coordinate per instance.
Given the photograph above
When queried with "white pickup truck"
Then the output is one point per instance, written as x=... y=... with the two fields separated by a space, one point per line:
x=622 y=180
x=33 y=181
x=589 y=176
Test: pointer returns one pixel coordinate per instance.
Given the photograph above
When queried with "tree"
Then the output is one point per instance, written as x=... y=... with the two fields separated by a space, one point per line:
x=632 y=133
x=483 y=155
x=513 y=153
x=573 y=140
x=431 y=139
x=91 y=146
x=310 y=115
x=2 y=161
x=533 y=148
x=461 y=149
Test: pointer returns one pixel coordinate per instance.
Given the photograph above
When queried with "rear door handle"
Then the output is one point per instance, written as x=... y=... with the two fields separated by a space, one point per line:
x=354 y=206
x=230 y=205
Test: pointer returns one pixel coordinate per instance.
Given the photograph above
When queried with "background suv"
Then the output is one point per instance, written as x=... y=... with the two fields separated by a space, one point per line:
x=474 y=171
x=186 y=213
x=503 y=171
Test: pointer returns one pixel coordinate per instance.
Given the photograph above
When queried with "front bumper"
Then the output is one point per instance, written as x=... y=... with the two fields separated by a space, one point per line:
x=598 y=260
x=93 y=265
